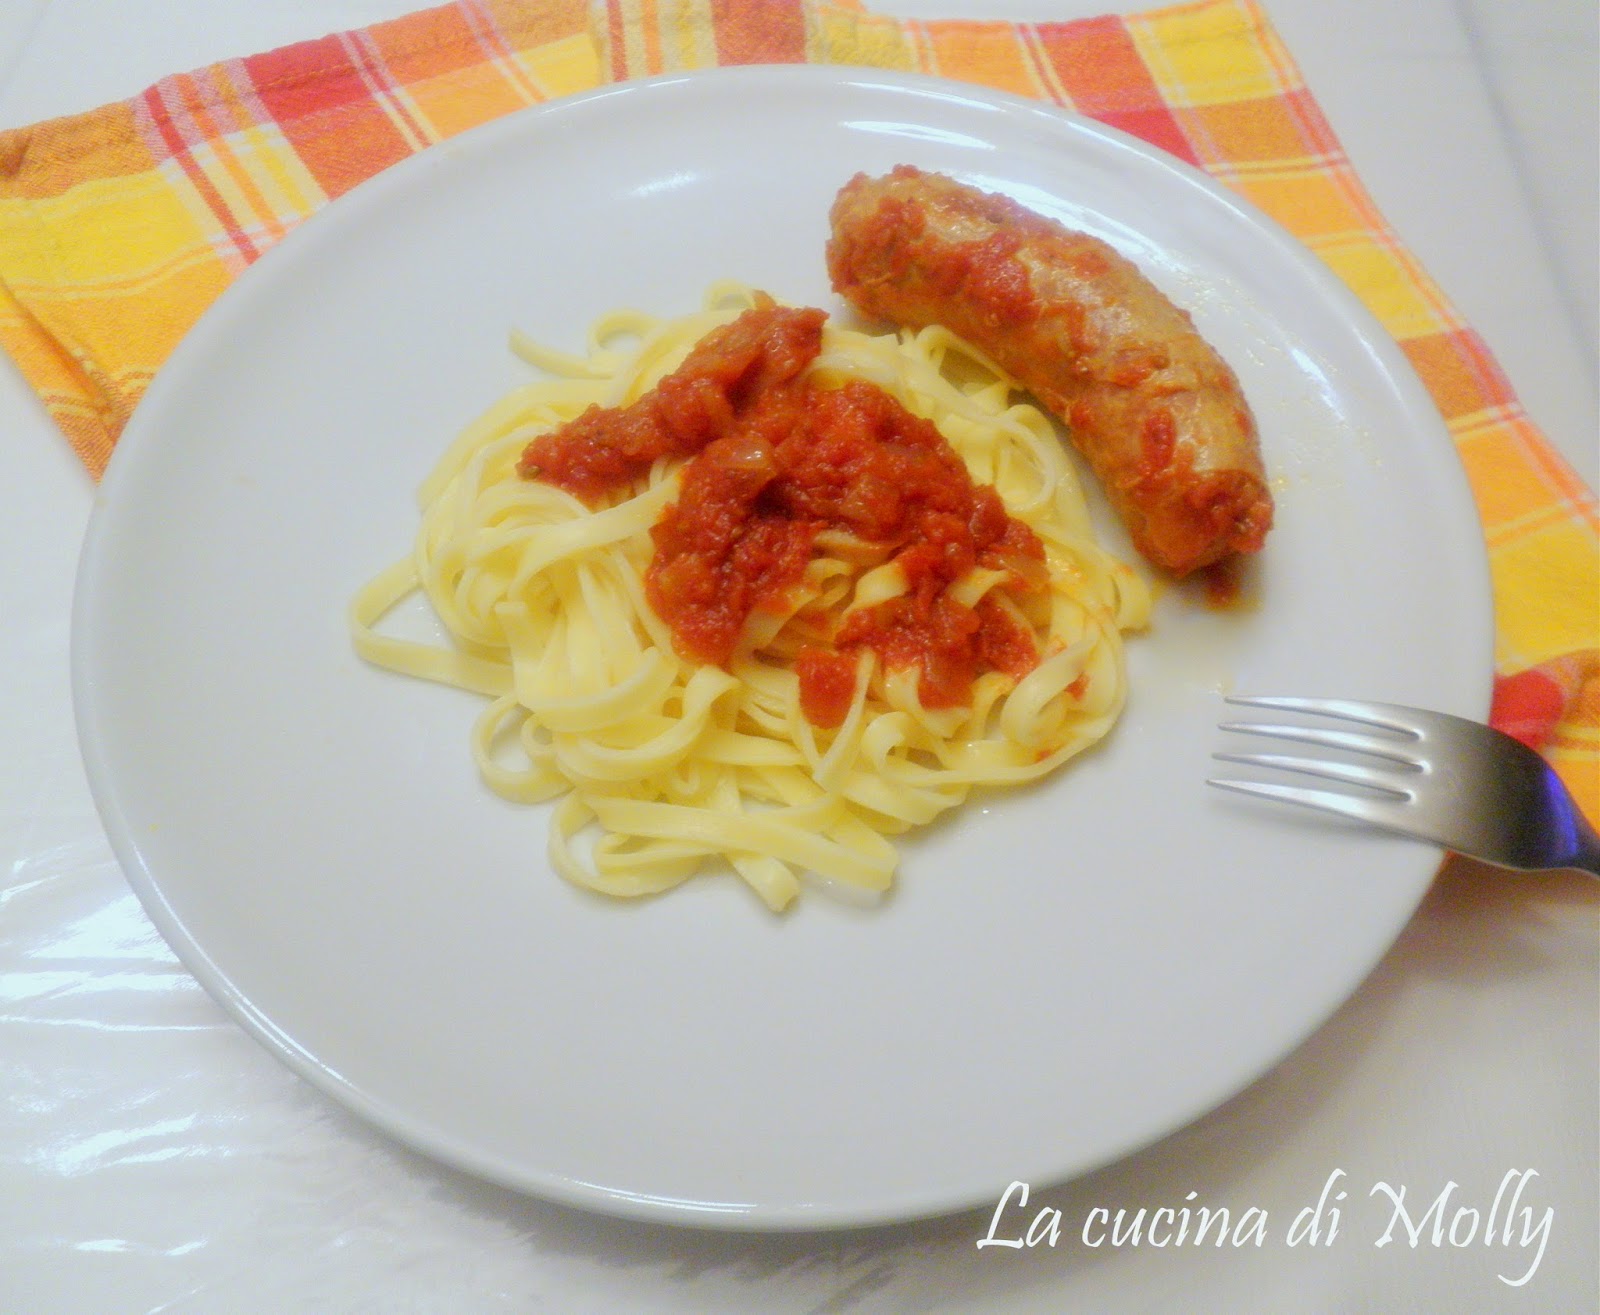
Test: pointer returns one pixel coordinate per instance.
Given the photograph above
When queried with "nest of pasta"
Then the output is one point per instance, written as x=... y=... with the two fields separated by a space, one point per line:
x=710 y=654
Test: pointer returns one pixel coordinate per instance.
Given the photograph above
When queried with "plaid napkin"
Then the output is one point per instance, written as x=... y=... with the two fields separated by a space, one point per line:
x=118 y=227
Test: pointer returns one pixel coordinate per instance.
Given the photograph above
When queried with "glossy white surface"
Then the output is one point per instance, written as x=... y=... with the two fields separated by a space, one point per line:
x=154 y=1157
x=310 y=836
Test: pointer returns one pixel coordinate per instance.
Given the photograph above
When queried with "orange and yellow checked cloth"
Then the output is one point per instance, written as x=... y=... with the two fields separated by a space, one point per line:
x=118 y=227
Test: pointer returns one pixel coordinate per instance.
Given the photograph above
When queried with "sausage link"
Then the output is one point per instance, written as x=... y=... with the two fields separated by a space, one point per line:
x=1157 y=414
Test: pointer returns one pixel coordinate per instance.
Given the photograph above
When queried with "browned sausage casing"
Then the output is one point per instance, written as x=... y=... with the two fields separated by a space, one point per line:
x=1157 y=414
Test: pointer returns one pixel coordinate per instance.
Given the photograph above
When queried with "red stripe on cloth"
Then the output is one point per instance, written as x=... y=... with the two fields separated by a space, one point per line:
x=236 y=78
x=1486 y=371
x=1320 y=142
x=383 y=86
x=309 y=78
x=1157 y=127
x=316 y=96
x=207 y=108
x=1575 y=497
x=759 y=31
x=1452 y=362
x=1527 y=706
x=178 y=148
x=1099 y=67
x=616 y=35
x=492 y=41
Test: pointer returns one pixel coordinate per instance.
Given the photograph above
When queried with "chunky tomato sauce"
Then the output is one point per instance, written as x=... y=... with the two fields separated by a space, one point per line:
x=777 y=459
x=729 y=370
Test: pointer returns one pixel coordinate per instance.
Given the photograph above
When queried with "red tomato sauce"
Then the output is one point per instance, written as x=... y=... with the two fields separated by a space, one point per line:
x=779 y=458
x=608 y=448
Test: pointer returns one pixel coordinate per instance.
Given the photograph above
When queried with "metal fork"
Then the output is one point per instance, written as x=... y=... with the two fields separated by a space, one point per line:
x=1455 y=782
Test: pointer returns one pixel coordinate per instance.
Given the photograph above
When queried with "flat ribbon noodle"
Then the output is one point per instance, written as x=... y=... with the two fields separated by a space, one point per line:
x=662 y=765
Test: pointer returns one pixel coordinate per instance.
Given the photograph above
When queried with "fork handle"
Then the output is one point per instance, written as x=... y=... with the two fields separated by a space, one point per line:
x=1585 y=846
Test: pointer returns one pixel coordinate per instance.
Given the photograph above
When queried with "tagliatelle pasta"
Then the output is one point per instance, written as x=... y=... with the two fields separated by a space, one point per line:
x=661 y=763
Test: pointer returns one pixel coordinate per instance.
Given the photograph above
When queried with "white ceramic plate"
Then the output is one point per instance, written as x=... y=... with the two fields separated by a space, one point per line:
x=1063 y=975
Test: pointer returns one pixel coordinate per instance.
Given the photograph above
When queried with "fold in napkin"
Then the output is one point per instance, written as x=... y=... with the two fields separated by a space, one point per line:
x=118 y=227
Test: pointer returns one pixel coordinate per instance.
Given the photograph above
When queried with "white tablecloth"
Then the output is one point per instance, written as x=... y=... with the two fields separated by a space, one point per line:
x=152 y=1157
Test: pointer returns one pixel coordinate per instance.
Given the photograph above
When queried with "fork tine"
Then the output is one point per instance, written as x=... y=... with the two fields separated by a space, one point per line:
x=1348 y=773
x=1370 y=811
x=1369 y=714
x=1326 y=739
